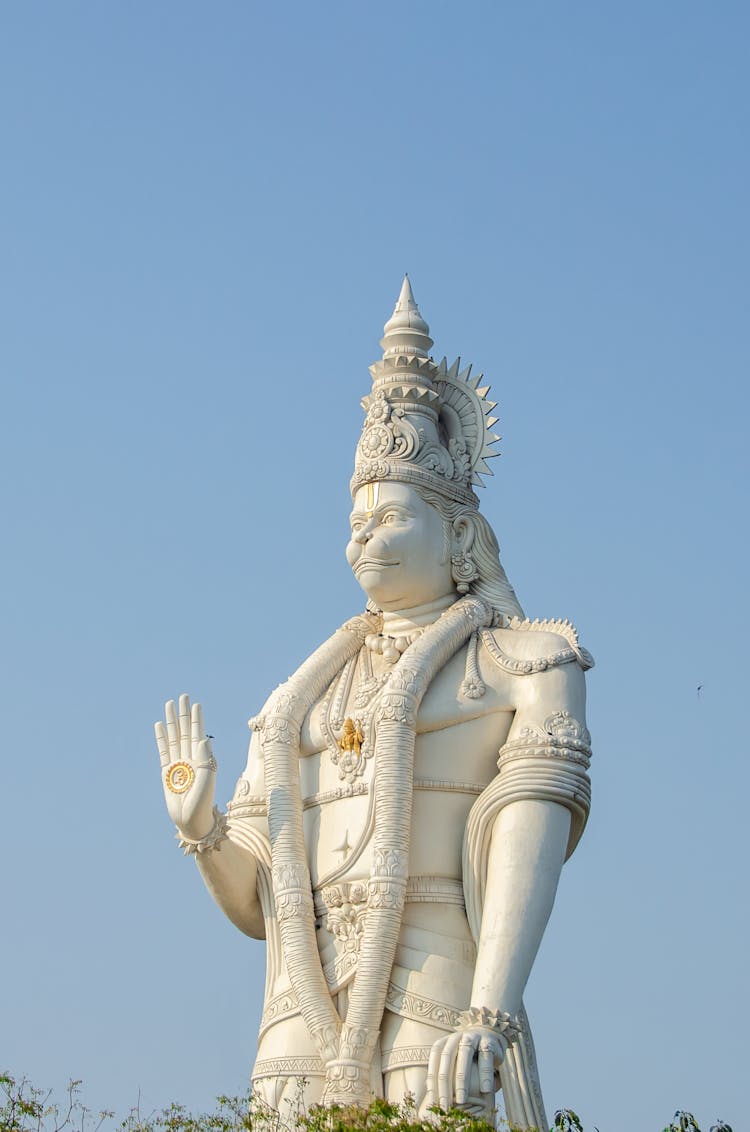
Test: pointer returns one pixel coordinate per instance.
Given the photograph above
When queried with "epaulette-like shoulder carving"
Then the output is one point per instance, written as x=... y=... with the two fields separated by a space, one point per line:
x=507 y=659
x=563 y=628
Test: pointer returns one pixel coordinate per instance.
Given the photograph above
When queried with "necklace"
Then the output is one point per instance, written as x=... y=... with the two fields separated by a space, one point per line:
x=391 y=648
x=350 y=742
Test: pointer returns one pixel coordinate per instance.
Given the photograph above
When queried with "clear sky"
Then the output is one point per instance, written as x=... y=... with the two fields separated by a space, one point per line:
x=206 y=213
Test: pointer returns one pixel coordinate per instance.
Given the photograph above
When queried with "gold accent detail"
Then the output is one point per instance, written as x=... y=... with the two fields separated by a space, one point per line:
x=179 y=778
x=352 y=737
x=371 y=498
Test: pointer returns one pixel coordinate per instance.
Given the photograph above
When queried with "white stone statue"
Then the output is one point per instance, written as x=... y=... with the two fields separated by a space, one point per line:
x=411 y=792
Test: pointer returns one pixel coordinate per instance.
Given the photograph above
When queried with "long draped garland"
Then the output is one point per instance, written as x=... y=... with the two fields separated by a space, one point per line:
x=346 y=1046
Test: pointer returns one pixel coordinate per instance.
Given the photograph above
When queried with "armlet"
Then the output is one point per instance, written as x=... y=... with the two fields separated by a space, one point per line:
x=560 y=736
x=244 y=804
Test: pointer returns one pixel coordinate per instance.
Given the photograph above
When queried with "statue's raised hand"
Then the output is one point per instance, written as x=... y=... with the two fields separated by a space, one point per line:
x=188 y=768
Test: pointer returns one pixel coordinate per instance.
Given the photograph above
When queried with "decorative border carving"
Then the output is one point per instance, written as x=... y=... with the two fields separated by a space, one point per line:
x=561 y=737
x=245 y=804
x=563 y=628
x=289 y=1066
x=525 y=667
x=349 y=790
x=278 y=1008
x=434 y=890
x=415 y=1006
x=447 y=786
x=405 y=1057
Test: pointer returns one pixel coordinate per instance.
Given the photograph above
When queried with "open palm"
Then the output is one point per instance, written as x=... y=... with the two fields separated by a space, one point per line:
x=188 y=767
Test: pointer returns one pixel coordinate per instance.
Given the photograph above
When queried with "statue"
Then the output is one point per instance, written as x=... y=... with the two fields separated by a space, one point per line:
x=411 y=792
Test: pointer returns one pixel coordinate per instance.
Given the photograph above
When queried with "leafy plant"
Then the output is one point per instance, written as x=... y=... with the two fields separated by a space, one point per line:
x=567 y=1121
x=25 y=1108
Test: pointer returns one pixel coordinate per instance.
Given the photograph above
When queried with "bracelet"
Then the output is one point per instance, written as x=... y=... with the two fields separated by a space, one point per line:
x=501 y=1024
x=215 y=835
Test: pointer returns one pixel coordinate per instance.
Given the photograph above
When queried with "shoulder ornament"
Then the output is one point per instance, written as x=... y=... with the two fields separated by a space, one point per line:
x=563 y=628
x=522 y=666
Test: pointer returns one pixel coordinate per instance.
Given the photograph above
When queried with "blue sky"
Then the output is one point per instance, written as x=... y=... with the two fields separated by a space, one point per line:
x=206 y=214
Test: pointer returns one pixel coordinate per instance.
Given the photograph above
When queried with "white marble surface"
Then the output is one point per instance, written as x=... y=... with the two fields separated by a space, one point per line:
x=412 y=792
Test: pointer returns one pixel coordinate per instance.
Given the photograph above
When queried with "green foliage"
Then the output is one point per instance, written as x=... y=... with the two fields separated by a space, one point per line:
x=567 y=1121
x=25 y=1108
x=686 y=1122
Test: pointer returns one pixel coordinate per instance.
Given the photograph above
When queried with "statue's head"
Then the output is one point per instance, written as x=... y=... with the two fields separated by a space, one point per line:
x=417 y=533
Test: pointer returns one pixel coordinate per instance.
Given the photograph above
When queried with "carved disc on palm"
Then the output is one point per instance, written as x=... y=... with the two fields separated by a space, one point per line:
x=180 y=777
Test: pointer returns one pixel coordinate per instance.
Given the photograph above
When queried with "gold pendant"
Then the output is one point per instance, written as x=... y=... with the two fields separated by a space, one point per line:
x=352 y=737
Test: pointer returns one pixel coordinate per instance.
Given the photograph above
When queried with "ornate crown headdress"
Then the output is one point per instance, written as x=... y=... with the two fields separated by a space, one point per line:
x=427 y=424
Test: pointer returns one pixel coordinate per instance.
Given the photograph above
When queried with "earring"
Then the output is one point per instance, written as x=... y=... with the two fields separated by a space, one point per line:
x=463 y=570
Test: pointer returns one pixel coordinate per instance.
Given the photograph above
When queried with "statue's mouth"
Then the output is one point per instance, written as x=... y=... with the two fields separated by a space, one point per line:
x=363 y=563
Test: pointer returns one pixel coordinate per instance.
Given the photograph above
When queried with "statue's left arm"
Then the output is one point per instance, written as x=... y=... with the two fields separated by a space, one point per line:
x=519 y=833
x=542 y=794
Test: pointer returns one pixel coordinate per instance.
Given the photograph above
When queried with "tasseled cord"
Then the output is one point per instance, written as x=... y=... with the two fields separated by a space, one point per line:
x=472 y=685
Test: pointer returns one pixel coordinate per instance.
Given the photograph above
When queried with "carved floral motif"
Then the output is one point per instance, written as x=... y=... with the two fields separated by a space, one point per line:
x=387 y=432
x=292 y=895
x=346 y=908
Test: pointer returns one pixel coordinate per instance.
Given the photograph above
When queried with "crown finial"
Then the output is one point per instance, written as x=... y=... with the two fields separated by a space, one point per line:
x=406 y=332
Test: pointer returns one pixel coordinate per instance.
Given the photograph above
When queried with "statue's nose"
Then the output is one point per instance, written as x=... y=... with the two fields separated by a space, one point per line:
x=364 y=535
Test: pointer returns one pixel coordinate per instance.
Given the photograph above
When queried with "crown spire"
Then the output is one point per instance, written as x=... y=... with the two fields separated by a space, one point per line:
x=406 y=332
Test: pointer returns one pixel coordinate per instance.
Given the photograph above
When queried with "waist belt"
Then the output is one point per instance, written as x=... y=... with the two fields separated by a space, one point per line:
x=352 y=895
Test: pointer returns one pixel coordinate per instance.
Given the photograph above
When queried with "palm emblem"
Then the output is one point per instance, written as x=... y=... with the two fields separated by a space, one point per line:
x=188 y=767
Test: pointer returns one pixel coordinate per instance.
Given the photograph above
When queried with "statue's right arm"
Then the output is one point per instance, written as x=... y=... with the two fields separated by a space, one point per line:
x=231 y=875
x=223 y=849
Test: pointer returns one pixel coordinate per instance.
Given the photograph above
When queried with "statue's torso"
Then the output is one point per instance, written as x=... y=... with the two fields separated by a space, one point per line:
x=456 y=753
x=510 y=684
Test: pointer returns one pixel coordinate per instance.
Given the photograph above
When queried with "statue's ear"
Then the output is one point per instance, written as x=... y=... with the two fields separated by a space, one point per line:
x=463 y=534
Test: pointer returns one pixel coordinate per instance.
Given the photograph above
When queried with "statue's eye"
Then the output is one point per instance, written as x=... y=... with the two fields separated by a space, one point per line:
x=357 y=525
x=390 y=517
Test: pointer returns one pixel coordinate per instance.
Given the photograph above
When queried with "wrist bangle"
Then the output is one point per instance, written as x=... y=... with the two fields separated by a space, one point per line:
x=500 y=1023
x=215 y=835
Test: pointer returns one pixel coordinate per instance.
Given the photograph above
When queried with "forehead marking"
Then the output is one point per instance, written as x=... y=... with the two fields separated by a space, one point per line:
x=371 y=498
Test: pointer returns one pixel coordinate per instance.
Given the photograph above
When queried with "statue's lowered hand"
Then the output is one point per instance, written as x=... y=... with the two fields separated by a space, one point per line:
x=462 y=1071
x=188 y=768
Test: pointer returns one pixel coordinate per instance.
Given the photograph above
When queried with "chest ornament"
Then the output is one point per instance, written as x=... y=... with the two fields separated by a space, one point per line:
x=350 y=740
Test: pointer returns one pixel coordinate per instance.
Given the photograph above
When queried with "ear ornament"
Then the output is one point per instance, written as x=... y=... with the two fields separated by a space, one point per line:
x=464 y=570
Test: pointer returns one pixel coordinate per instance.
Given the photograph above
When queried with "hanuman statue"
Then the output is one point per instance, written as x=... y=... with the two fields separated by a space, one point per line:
x=411 y=792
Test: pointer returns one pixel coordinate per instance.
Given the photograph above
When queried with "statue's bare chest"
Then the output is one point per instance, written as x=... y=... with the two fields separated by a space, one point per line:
x=455 y=758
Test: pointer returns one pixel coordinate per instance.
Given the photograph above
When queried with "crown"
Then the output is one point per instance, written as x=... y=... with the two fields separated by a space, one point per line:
x=426 y=423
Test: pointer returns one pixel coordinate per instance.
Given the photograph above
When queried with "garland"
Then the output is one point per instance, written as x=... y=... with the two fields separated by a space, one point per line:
x=346 y=1048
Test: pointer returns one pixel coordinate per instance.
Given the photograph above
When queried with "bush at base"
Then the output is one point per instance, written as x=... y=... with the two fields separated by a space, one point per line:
x=25 y=1108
